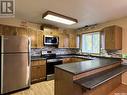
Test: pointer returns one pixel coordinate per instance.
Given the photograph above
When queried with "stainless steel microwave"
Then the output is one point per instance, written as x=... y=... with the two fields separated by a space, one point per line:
x=51 y=40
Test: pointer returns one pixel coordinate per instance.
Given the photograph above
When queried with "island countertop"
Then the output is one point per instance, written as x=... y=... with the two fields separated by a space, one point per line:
x=88 y=65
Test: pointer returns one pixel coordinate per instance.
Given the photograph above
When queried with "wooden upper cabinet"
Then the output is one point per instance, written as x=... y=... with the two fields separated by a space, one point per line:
x=22 y=32
x=33 y=35
x=36 y=38
x=9 y=30
x=72 y=40
x=40 y=39
x=66 y=41
x=48 y=31
x=113 y=38
x=63 y=40
x=1 y=30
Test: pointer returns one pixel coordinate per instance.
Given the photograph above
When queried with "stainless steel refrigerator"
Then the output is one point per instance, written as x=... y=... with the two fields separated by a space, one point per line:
x=15 y=63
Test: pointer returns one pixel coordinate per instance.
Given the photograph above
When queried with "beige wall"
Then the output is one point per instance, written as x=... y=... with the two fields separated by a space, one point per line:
x=18 y=23
x=120 y=22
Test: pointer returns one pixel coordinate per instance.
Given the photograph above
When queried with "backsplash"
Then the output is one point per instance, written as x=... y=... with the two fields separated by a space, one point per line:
x=36 y=52
x=111 y=53
x=58 y=51
x=116 y=53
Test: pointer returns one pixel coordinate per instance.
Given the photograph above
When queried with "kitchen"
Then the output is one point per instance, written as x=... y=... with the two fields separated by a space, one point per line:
x=64 y=59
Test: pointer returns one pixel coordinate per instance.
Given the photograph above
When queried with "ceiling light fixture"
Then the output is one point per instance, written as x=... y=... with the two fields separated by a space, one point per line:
x=49 y=15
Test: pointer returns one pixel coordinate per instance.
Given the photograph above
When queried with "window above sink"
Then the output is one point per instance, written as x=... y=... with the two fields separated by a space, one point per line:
x=91 y=43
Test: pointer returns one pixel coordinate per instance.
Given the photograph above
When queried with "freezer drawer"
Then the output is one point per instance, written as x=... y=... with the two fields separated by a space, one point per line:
x=16 y=72
x=13 y=44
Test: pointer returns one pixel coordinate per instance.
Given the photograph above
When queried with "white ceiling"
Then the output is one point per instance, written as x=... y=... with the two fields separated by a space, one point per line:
x=86 y=11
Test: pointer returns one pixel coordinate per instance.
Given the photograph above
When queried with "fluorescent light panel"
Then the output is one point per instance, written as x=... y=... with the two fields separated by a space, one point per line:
x=59 y=18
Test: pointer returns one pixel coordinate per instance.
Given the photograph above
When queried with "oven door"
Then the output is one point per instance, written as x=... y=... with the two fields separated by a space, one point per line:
x=50 y=67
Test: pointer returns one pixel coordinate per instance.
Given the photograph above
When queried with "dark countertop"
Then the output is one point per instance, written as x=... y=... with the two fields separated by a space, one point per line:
x=75 y=56
x=34 y=58
x=95 y=80
x=69 y=56
x=84 y=66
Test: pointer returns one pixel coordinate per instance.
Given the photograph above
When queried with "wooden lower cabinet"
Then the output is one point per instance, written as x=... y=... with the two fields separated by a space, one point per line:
x=38 y=71
x=66 y=60
x=73 y=59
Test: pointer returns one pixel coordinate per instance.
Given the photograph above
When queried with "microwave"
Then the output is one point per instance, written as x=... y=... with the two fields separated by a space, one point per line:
x=51 y=40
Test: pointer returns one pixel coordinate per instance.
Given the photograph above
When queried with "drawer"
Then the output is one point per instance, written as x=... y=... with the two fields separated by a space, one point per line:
x=40 y=62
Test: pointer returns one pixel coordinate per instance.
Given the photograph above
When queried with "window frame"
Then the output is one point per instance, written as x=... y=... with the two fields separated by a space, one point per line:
x=92 y=39
x=78 y=41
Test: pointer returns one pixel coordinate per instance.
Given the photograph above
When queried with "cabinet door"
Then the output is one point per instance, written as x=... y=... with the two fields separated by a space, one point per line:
x=42 y=62
x=33 y=35
x=47 y=31
x=1 y=30
x=118 y=38
x=109 y=39
x=55 y=32
x=9 y=30
x=113 y=38
x=34 y=76
x=35 y=63
x=72 y=40
x=22 y=32
x=40 y=39
x=38 y=71
x=41 y=72
x=61 y=41
x=66 y=41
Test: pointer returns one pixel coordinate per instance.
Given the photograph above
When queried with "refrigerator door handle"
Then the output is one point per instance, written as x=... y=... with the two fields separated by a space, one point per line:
x=2 y=61
x=29 y=60
x=29 y=51
x=1 y=73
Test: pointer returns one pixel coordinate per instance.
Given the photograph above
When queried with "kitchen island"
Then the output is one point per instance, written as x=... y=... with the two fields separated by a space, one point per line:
x=96 y=76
